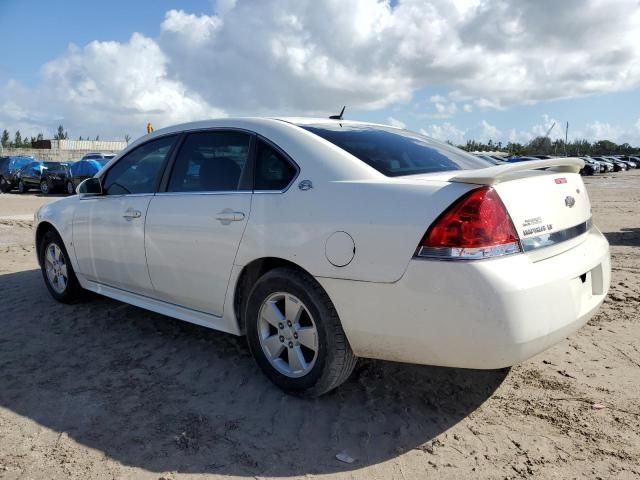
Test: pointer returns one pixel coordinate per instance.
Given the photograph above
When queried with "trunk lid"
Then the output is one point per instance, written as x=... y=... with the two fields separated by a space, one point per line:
x=551 y=211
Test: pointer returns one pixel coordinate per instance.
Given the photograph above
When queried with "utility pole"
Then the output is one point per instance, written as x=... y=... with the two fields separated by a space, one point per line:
x=566 y=139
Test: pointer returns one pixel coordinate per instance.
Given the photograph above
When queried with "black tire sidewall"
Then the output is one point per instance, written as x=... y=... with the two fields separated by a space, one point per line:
x=71 y=190
x=21 y=187
x=285 y=281
x=48 y=189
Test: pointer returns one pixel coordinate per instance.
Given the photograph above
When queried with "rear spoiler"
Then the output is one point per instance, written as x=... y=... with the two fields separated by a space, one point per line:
x=496 y=174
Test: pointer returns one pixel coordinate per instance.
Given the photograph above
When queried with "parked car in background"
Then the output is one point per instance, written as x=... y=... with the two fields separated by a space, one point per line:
x=81 y=170
x=489 y=159
x=521 y=159
x=326 y=240
x=98 y=156
x=591 y=167
x=605 y=165
x=29 y=176
x=54 y=177
x=628 y=162
x=618 y=165
x=9 y=170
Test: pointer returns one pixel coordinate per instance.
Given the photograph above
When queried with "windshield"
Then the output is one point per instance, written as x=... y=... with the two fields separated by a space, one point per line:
x=395 y=152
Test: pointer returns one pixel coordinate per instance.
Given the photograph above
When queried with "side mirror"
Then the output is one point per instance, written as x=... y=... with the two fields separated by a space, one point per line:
x=90 y=187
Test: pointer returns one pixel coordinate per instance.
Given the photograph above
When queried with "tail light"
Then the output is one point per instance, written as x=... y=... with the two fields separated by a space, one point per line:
x=476 y=226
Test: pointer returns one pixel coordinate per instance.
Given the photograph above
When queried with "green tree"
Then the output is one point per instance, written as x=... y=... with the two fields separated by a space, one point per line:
x=17 y=140
x=61 y=135
x=539 y=146
x=4 y=140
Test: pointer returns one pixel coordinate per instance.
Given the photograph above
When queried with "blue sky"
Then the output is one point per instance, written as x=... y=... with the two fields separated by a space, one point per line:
x=454 y=69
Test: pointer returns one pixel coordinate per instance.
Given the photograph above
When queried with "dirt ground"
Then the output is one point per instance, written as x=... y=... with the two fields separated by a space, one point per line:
x=104 y=390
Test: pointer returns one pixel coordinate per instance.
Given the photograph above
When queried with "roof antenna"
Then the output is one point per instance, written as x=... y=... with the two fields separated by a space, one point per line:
x=338 y=117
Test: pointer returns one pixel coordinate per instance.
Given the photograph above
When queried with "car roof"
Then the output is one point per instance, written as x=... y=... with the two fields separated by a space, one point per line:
x=249 y=122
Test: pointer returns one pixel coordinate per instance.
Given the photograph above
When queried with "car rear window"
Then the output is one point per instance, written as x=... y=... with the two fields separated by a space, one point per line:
x=394 y=152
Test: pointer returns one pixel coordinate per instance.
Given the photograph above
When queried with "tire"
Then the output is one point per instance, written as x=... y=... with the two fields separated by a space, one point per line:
x=326 y=367
x=21 y=187
x=4 y=185
x=45 y=188
x=52 y=244
x=70 y=188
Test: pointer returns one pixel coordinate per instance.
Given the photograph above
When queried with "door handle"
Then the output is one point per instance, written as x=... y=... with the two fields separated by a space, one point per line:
x=226 y=217
x=131 y=214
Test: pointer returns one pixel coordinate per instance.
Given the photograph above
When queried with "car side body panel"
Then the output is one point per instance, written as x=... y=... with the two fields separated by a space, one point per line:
x=356 y=231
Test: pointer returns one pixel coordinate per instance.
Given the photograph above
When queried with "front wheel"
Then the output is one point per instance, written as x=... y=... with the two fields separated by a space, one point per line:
x=57 y=271
x=21 y=187
x=295 y=335
x=45 y=188
x=70 y=189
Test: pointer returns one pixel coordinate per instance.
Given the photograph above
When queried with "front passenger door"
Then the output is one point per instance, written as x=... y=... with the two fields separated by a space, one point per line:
x=108 y=230
x=194 y=228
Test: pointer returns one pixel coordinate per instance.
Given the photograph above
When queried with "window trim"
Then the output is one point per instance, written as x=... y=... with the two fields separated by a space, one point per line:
x=105 y=171
x=285 y=155
x=164 y=185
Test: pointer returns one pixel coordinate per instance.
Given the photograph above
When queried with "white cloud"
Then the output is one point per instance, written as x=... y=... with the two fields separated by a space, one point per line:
x=285 y=57
x=484 y=132
x=445 y=131
x=605 y=131
x=106 y=88
x=196 y=29
x=394 y=122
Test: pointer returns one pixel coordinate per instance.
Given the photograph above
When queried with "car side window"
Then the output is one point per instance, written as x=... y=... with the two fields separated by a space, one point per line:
x=272 y=171
x=213 y=161
x=139 y=170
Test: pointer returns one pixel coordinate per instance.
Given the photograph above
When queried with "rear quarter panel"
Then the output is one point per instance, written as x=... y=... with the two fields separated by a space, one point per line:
x=385 y=218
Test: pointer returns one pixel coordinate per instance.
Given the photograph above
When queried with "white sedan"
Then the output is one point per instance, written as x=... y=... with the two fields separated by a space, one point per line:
x=327 y=240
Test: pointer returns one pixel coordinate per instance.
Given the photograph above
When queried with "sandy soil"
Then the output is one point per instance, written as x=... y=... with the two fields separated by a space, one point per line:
x=105 y=390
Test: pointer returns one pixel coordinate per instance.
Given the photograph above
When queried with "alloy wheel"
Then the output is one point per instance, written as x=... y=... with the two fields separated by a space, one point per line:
x=56 y=268
x=288 y=334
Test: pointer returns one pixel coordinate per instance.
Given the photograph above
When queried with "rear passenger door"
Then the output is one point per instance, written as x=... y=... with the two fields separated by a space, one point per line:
x=195 y=225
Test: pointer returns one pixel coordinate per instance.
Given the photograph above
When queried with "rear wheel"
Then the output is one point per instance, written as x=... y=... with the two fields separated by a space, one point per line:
x=57 y=271
x=295 y=334
x=4 y=185
x=22 y=187
x=45 y=188
x=70 y=189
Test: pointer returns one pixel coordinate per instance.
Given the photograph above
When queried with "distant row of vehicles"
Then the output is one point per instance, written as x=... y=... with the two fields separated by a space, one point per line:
x=592 y=165
x=24 y=173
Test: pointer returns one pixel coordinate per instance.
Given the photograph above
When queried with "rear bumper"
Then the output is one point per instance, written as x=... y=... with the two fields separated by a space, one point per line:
x=478 y=314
